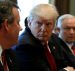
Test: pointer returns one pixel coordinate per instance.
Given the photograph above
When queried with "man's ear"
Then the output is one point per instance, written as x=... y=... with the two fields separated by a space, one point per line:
x=29 y=23
x=58 y=29
x=5 y=25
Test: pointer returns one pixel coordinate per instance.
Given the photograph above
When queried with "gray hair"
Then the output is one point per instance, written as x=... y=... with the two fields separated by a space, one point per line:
x=62 y=17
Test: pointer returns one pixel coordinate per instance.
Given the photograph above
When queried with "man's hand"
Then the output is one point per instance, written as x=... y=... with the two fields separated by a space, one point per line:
x=69 y=68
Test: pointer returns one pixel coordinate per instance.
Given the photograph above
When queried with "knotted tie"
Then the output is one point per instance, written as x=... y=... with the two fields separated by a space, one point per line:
x=50 y=58
x=4 y=61
x=73 y=49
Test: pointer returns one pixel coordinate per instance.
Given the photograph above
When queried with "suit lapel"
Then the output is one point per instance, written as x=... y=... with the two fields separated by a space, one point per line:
x=1 y=67
x=11 y=61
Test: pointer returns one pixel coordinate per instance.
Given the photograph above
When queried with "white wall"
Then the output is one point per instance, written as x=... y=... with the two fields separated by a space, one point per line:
x=72 y=7
x=25 y=6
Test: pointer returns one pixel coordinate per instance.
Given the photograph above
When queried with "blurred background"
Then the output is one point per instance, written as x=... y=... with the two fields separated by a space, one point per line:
x=63 y=7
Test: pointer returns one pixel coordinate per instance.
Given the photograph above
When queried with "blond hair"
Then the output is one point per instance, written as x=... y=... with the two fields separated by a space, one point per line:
x=48 y=11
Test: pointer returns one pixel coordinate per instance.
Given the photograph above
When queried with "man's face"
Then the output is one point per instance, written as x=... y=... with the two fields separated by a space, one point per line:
x=14 y=28
x=41 y=28
x=67 y=31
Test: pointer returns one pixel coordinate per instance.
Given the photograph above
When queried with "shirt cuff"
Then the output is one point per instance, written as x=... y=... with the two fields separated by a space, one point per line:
x=66 y=69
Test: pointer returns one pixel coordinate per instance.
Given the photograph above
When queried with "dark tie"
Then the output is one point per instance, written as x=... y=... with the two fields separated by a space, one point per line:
x=50 y=59
x=73 y=49
x=4 y=61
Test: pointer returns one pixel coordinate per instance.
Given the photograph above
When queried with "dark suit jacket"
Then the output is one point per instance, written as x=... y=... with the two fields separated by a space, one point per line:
x=63 y=49
x=11 y=61
x=1 y=68
x=59 y=42
x=30 y=54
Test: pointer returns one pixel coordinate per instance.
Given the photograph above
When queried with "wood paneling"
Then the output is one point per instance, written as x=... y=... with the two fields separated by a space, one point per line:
x=62 y=6
x=14 y=1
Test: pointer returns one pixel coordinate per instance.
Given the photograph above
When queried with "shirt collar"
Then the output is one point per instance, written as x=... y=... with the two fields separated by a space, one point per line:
x=1 y=50
x=69 y=45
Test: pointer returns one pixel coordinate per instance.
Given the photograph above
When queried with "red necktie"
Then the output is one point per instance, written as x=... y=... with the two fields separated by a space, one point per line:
x=73 y=49
x=50 y=59
x=4 y=61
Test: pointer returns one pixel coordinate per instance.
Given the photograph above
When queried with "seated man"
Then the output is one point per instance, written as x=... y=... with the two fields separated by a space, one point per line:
x=9 y=31
x=32 y=53
x=66 y=39
x=66 y=24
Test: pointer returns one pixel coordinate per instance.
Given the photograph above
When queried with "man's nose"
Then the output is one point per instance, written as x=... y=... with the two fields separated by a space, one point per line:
x=43 y=27
x=20 y=28
x=71 y=30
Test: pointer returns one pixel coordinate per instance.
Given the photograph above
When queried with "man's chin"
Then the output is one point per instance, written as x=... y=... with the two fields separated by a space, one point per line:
x=43 y=40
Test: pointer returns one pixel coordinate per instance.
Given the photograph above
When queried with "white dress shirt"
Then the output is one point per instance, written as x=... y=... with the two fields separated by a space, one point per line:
x=1 y=50
x=0 y=54
x=68 y=44
x=70 y=47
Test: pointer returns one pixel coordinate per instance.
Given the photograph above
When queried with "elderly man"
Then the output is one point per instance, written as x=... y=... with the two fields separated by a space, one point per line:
x=34 y=52
x=9 y=30
x=66 y=39
x=66 y=25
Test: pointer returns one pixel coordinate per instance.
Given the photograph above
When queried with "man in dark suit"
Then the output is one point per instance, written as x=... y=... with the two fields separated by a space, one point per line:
x=66 y=25
x=31 y=50
x=60 y=45
x=66 y=39
x=9 y=31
